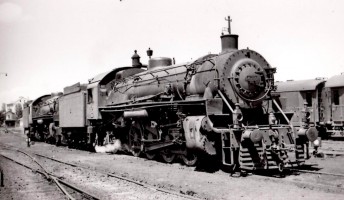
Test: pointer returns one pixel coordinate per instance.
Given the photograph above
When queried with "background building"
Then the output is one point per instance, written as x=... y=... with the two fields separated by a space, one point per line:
x=14 y=110
x=11 y=119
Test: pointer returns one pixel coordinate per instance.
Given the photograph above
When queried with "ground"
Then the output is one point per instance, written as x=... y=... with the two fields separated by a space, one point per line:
x=193 y=180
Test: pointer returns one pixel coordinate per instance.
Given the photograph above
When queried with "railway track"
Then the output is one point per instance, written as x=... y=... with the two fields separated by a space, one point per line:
x=317 y=172
x=316 y=180
x=67 y=188
x=122 y=178
x=159 y=189
x=104 y=173
x=150 y=187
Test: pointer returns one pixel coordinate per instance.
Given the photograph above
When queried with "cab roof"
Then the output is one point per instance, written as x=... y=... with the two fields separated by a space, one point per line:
x=106 y=76
x=98 y=77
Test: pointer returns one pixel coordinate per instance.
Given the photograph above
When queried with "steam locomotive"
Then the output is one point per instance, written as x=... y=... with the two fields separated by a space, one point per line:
x=219 y=106
x=321 y=98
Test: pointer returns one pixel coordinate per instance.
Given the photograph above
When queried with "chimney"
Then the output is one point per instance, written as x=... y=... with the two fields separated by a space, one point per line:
x=229 y=41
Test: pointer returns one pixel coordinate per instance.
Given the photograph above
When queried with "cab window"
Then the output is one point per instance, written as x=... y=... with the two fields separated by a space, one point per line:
x=89 y=96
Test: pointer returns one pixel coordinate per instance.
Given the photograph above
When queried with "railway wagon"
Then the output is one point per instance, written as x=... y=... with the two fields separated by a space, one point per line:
x=333 y=100
x=303 y=99
x=301 y=96
x=322 y=98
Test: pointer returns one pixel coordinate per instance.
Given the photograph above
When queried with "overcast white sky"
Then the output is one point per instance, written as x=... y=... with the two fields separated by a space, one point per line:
x=46 y=45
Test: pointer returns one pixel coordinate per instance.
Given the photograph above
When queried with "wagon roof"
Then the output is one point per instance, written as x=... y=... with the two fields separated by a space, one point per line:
x=300 y=85
x=335 y=81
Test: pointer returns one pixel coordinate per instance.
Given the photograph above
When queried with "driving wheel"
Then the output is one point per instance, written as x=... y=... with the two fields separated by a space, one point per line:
x=167 y=154
x=190 y=158
x=150 y=154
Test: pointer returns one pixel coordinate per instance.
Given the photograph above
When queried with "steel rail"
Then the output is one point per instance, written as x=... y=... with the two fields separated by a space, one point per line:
x=169 y=191
x=315 y=172
x=46 y=174
x=136 y=182
x=50 y=176
x=42 y=173
x=62 y=189
x=106 y=174
x=122 y=178
x=163 y=190
x=38 y=171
